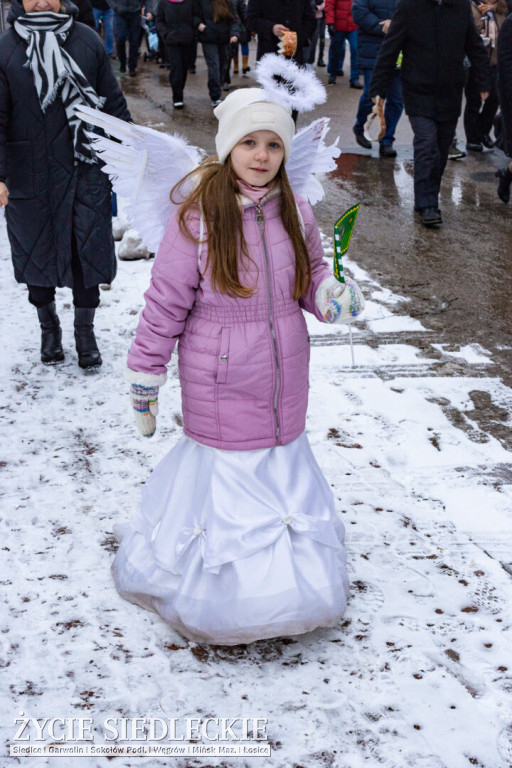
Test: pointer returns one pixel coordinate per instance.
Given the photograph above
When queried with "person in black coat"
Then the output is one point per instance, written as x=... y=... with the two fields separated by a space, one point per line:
x=505 y=94
x=58 y=201
x=373 y=18
x=434 y=37
x=175 y=27
x=270 y=18
x=218 y=25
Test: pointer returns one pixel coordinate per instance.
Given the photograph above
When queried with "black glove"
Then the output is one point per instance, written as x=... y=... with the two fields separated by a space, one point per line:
x=331 y=29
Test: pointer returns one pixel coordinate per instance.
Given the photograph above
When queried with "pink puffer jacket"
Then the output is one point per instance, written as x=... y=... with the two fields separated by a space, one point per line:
x=243 y=363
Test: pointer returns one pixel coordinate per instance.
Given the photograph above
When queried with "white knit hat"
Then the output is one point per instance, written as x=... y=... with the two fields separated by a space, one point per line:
x=247 y=110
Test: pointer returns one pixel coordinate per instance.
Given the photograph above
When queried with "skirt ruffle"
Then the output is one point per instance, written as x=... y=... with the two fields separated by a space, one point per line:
x=235 y=546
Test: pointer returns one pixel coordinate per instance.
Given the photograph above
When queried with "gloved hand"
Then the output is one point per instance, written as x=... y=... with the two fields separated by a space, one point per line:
x=331 y=29
x=339 y=302
x=145 y=406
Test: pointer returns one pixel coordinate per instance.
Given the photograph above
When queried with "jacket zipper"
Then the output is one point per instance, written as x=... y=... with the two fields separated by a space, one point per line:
x=260 y=218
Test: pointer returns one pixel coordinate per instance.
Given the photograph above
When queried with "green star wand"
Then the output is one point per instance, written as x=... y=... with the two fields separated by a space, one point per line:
x=342 y=233
x=343 y=229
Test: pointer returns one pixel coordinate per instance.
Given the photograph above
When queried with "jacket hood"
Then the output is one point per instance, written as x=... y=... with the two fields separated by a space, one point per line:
x=18 y=10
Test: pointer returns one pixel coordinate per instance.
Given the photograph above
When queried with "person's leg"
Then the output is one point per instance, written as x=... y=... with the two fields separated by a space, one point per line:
x=392 y=108
x=134 y=23
x=211 y=57
x=504 y=176
x=245 y=58
x=354 y=65
x=490 y=107
x=234 y=55
x=314 y=40
x=121 y=32
x=365 y=103
x=321 y=43
x=426 y=162
x=108 y=23
x=224 y=64
x=39 y=296
x=86 y=300
x=341 y=58
x=174 y=60
x=337 y=41
x=445 y=134
x=192 y=68
x=97 y=13
x=187 y=55
x=472 y=124
x=43 y=299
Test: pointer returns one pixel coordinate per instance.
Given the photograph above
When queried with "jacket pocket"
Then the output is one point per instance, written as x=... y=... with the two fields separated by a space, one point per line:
x=20 y=171
x=223 y=359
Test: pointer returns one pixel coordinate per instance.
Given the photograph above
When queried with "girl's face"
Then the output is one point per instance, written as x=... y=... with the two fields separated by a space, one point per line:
x=257 y=157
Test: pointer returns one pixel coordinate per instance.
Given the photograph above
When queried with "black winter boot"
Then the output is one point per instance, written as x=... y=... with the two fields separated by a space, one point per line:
x=505 y=180
x=51 y=334
x=88 y=352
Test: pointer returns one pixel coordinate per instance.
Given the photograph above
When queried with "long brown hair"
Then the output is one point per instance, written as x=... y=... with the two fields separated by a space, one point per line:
x=221 y=11
x=215 y=193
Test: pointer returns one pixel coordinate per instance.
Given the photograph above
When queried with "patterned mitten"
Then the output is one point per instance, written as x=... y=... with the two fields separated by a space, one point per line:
x=144 y=398
x=339 y=302
x=145 y=406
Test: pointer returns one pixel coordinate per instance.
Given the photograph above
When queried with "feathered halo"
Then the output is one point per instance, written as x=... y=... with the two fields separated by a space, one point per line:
x=288 y=84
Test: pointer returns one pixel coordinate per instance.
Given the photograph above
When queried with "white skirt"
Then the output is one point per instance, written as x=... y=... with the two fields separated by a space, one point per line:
x=235 y=546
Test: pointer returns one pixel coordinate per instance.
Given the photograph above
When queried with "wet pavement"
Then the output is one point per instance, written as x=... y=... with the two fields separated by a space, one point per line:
x=457 y=280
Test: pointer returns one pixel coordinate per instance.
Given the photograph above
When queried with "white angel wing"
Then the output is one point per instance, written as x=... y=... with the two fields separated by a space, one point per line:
x=310 y=155
x=143 y=168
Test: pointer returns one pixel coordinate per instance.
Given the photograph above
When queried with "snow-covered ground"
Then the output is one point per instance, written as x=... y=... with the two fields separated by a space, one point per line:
x=417 y=675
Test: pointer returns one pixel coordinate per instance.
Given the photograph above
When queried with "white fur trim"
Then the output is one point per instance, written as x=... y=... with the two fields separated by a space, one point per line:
x=146 y=379
x=284 y=82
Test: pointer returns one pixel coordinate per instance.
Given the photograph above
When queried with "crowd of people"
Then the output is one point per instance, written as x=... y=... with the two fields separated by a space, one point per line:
x=426 y=54
x=420 y=56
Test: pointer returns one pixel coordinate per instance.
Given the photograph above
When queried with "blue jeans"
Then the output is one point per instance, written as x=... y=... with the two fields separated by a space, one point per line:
x=128 y=27
x=393 y=106
x=335 y=49
x=108 y=25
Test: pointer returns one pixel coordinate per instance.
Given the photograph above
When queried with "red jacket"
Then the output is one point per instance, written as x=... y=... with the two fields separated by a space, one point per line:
x=339 y=13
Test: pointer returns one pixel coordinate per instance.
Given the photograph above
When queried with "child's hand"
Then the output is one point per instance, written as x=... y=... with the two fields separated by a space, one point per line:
x=337 y=302
x=330 y=288
x=145 y=406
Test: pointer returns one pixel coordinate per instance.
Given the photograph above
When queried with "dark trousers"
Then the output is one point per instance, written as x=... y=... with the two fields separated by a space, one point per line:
x=216 y=57
x=392 y=106
x=179 y=58
x=321 y=39
x=478 y=120
x=127 y=28
x=432 y=139
x=85 y=298
x=314 y=41
x=335 y=50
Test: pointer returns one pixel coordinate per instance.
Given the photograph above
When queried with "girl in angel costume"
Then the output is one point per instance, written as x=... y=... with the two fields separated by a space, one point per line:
x=237 y=538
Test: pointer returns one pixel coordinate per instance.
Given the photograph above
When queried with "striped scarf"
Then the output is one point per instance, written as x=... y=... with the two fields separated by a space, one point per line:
x=56 y=73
